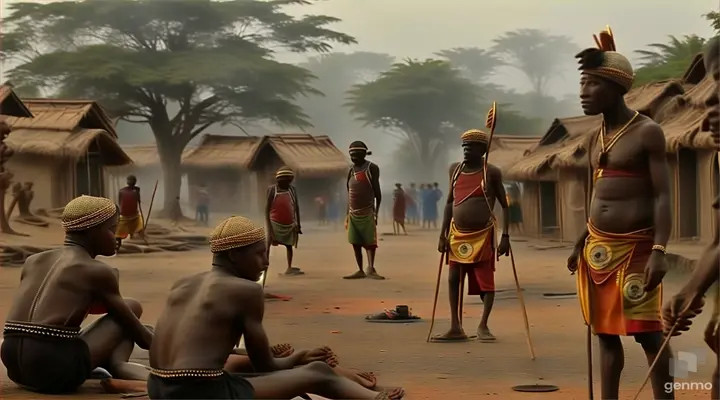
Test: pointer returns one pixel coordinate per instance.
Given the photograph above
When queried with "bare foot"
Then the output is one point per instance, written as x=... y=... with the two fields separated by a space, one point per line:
x=391 y=394
x=119 y=386
x=365 y=379
x=372 y=274
x=484 y=334
x=356 y=275
x=282 y=350
x=450 y=336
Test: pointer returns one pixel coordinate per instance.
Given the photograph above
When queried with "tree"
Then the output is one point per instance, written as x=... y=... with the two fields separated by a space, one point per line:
x=676 y=49
x=476 y=64
x=213 y=60
x=422 y=100
x=535 y=53
x=714 y=18
x=336 y=73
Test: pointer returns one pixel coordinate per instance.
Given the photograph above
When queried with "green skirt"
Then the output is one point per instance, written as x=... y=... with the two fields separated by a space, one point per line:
x=362 y=230
x=284 y=234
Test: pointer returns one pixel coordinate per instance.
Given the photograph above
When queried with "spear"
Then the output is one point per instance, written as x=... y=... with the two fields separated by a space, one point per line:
x=152 y=200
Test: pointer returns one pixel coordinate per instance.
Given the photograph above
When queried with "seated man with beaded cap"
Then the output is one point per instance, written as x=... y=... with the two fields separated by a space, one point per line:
x=206 y=314
x=620 y=258
x=44 y=349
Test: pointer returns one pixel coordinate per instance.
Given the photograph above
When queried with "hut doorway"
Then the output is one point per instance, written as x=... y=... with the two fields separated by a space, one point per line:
x=688 y=196
x=89 y=175
x=548 y=209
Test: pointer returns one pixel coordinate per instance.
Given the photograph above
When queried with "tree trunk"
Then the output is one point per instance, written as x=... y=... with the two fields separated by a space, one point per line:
x=170 y=159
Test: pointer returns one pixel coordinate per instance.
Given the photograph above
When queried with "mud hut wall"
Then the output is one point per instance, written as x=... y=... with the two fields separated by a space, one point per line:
x=708 y=189
x=530 y=204
x=39 y=171
x=572 y=199
x=674 y=184
x=229 y=188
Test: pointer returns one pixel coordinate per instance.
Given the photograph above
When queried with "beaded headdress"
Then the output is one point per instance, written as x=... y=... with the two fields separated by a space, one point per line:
x=605 y=62
x=85 y=212
x=474 y=135
x=284 y=171
x=235 y=232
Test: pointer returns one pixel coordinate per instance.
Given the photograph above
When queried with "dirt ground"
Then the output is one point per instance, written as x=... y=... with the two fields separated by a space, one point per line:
x=327 y=310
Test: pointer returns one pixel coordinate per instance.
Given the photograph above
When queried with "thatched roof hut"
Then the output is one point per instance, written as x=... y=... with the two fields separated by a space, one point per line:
x=505 y=151
x=63 y=149
x=222 y=151
x=10 y=103
x=309 y=156
x=65 y=129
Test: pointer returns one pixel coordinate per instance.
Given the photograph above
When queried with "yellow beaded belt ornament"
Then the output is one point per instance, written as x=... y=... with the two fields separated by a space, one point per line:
x=187 y=373
x=40 y=330
x=86 y=212
x=235 y=232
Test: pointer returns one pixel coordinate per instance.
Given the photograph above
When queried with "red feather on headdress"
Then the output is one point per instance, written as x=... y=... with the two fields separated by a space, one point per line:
x=605 y=40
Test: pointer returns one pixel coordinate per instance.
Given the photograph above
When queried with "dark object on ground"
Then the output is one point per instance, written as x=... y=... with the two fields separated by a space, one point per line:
x=536 y=388
x=401 y=314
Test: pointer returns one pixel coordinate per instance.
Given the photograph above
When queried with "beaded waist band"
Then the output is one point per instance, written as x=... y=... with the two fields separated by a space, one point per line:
x=187 y=373
x=41 y=330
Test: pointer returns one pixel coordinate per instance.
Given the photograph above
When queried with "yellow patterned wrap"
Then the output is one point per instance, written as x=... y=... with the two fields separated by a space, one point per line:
x=474 y=135
x=610 y=283
x=468 y=247
x=235 y=232
x=85 y=212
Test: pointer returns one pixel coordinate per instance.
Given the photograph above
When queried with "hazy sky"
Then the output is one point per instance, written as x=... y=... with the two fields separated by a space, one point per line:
x=417 y=28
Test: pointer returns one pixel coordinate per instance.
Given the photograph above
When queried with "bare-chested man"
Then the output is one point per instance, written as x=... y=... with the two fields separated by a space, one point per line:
x=130 y=222
x=363 y=185
x=689 y=301
x=206 y=315
x=44 y=349
x=620 y=258
x=468 y=232
x=282 y=216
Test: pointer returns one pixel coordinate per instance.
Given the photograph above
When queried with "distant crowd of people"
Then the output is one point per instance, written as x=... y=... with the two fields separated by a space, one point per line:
x=416 y=205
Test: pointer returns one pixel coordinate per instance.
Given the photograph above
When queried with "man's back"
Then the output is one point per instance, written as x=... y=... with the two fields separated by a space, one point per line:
x=56 y=281
x=201 y=322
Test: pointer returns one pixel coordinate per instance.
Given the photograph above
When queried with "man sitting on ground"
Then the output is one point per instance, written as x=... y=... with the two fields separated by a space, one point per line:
x=44 y=349
x=206 y=315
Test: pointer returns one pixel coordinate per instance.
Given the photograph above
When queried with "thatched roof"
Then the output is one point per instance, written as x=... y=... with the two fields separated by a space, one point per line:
x=507 y=150
x=65 y=129
x=648 y=99
x=10 y=103
x=307 y=155
x=143 y=155
x=221 y=151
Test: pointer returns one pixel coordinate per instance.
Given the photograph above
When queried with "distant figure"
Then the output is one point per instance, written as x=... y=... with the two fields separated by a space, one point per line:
x=333 y=209
x=430 y=205
x=420 y=198
x=282 y=215
x=412 y=206
x=516 y=217
x=131 y=221
x=321 y=209
x=202 y=209
x=364 y=197
x=399 y=209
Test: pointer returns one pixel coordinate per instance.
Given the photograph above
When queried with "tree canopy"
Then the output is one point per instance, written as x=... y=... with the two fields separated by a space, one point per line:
x=427 y=101
x=213 y=59
x=536 y=53
x=662 y=61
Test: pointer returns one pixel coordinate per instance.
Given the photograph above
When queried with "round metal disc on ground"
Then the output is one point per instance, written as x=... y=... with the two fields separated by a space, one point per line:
x=535 y=388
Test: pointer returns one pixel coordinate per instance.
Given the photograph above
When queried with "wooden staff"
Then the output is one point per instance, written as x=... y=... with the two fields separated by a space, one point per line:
x=437 y=292
x=490 y=123
x=152 y=200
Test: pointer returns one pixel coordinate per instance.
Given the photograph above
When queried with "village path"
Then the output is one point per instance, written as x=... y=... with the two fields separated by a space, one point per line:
x=323 y=303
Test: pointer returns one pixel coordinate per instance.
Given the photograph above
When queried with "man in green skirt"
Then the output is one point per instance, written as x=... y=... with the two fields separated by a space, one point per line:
x=363 y=185
x=282 y=215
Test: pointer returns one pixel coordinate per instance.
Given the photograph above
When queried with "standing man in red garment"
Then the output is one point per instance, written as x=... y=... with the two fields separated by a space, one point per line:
x=399 y=197
x=282 y=216
x=131 y=221
x=363 y=185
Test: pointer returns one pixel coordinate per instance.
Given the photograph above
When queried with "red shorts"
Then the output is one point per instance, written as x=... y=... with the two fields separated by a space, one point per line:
x=481 y=276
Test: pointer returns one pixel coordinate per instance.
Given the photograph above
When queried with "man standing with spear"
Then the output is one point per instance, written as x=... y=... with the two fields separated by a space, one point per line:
x=468 y=232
